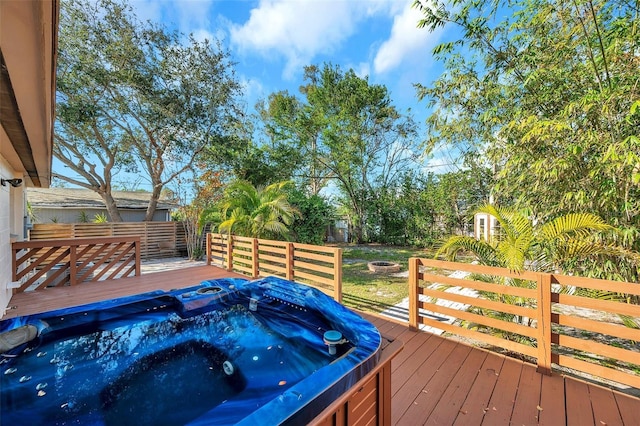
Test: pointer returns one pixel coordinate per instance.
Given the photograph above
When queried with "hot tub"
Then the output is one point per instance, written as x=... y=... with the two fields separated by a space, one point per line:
x=229 y=351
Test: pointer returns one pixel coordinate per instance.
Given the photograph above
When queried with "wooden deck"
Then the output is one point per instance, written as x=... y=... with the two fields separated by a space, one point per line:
x=440 y=381
x=60 y=297
x=434 y=380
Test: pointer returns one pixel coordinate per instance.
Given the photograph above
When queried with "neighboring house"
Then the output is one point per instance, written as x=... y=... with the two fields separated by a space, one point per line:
x=485 y=226
x=73 y=205
x=28 y=46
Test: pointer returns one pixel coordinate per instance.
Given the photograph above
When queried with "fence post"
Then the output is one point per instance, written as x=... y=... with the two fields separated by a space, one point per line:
x=14 y=264
x=414 y=263
x=73 y=267
x=544 y=323
x=137 y=244
x=230 y=253
x=254 y=258
x=289 y=261
x=337 y=275
x=208 y=249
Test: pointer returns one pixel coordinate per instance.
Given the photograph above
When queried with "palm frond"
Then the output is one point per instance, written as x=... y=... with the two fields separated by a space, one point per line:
x=485 y=253
x=579 y=225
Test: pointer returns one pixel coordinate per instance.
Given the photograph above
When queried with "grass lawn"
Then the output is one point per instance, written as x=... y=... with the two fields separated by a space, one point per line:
x=375 y=292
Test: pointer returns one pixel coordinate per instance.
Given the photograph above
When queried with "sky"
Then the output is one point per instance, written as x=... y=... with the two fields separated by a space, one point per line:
x=272 y=40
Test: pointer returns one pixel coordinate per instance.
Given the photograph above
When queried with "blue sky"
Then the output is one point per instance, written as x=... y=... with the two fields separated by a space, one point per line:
x=271 y=40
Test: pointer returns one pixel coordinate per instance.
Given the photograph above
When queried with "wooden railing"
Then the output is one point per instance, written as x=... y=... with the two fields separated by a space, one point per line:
x=157 y=239
x=50 y=263
x=555 y=319
x=318 y=266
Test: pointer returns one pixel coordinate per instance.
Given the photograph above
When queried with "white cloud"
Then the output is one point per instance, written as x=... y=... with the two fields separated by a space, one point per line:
x=300 y=30
x=297 y=30
x=406 y=43
x=252 y=88
x=362 y=70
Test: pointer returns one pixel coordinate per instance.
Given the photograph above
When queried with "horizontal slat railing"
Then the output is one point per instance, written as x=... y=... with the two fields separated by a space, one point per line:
x=558 y=320
x=50 y=263
x=157 y=239
x=317 y=266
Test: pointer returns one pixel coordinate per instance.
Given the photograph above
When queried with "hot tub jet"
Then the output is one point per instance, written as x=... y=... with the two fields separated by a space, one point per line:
x=227 y=367
x=333 y=338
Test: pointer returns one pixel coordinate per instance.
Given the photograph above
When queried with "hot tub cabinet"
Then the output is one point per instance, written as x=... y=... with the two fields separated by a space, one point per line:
x=369 y=401
x=230 y=351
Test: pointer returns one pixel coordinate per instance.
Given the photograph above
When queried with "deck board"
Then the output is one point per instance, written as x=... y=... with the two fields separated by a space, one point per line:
x=450 y=404
x=552 y=400
x=502 y=400
x=605 y=411
x=527 y=400
x=479 y=393
x=81 y=294
x=431 y=394
x=435 y=380
x=578 y=403
x=629 y=409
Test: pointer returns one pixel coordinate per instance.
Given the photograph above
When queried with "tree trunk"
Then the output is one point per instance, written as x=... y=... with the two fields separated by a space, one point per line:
x=153 y=203
x=110 y=204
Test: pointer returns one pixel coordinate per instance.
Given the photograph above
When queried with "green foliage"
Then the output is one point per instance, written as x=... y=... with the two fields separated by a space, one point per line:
x=33 y=218
x=100 y=218
x=310 y=226
x=83 y=217
x=133 y=96
x=570 y=244
x=345 y=129
x=548 y=90
x=262 y=212
x=420 y=210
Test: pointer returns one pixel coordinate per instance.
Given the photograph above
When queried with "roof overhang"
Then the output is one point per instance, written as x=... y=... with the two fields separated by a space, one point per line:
x=28 y=51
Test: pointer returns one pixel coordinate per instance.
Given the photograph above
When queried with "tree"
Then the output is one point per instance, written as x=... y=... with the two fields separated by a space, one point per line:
x=310 y=226
x=134 y=97
x=206 y=192
x=262 y=212
x=346 y=130
x=294 y=133
x=549 y=90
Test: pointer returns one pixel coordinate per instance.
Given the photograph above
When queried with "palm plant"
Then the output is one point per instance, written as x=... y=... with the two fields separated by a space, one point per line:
x=551 y=246
x=262 y=212
x=566 y=244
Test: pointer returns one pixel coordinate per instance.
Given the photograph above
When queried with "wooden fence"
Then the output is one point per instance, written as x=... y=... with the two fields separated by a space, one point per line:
x=557 y=320
x=50 y=263
x=157 y=239
x=318 y=266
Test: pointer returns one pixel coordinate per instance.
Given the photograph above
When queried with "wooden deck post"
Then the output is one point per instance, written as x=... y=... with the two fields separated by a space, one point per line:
x=337 y=275
x=73 y=266
x=289 y=257
x=414 y=263
x=137 y=245
x=255 y=260
x=14 y=264
x=208 y=249
x=544 y=323
x=230 y=253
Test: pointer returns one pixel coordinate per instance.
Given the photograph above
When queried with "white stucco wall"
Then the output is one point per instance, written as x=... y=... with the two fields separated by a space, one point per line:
x=11 y=227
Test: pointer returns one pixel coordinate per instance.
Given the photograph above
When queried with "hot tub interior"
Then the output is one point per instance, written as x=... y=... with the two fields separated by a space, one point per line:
x=226 y=352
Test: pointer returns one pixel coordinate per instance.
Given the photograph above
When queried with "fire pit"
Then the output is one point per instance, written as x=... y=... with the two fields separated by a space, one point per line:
x=380 y=266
